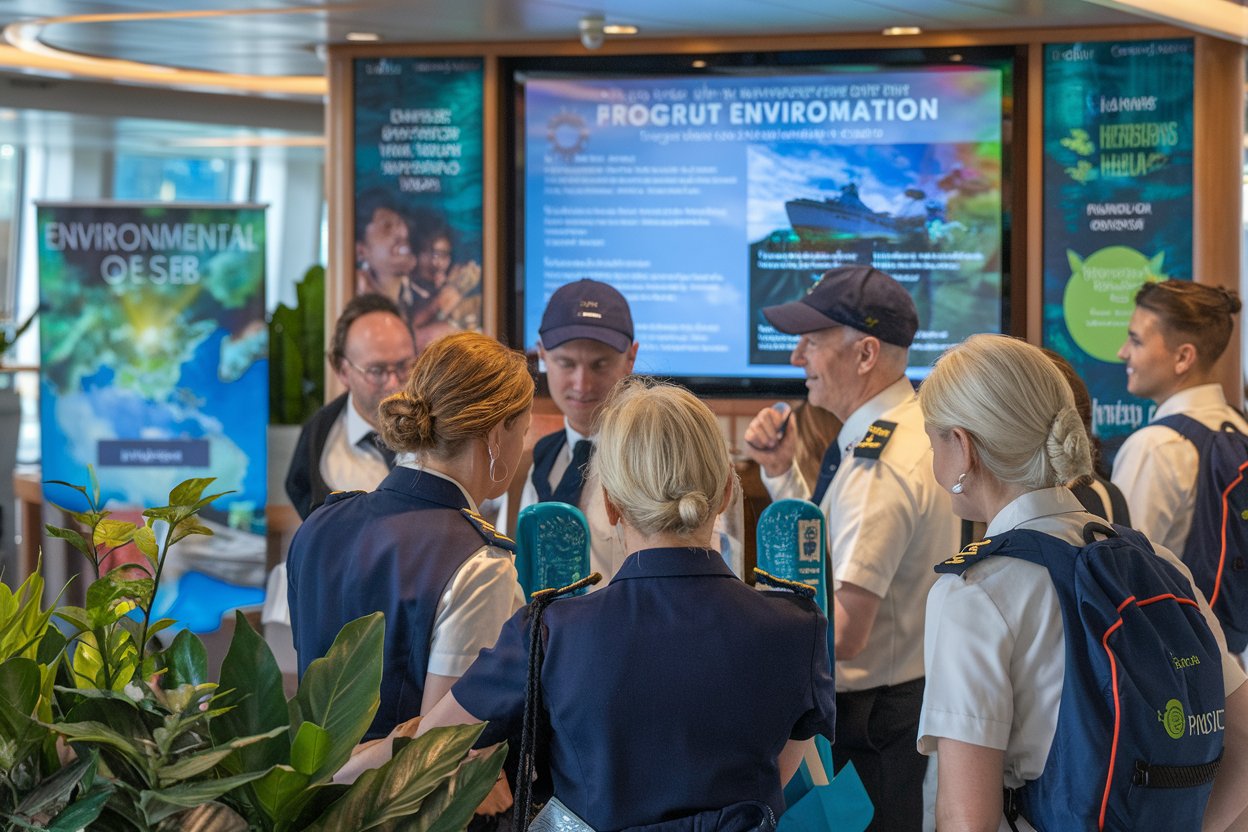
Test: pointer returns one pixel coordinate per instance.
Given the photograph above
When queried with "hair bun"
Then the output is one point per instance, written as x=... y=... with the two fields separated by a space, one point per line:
x=406 y=421
x=1233 y=304
x=693 y=508
x=1068 y=446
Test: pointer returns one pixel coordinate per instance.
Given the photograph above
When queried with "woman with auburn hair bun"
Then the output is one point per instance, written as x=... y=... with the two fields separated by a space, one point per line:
x=1050 y=643
x=416 y=548
x=676 y=691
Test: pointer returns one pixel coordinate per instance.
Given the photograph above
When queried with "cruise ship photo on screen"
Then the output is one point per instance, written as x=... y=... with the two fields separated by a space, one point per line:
x=847 y=216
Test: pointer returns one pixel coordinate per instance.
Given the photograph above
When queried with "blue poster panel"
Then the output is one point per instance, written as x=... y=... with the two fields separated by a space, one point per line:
x=154 y=353
x=706 y=199
x=418 y=188
x=1117 y=204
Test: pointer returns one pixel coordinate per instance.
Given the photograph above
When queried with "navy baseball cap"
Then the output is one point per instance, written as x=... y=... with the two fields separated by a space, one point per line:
x=587 y=309
x=861 y=297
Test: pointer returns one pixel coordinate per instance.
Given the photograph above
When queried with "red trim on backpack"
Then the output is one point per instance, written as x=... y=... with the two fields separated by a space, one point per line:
x=1113 y=672
x=1113 y=751
x=1217 y=579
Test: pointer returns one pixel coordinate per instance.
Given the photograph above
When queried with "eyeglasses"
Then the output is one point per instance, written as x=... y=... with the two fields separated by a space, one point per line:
x=378 y=373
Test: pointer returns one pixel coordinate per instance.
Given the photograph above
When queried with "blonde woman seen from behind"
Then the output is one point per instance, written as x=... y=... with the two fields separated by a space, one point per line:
x=676 y=688
x=1006 y=437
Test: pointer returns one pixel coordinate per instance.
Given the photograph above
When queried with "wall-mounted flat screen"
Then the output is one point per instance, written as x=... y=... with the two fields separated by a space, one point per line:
x=705 y=196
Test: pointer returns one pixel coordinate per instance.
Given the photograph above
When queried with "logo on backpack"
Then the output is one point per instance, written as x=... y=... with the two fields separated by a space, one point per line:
x=1174 y=719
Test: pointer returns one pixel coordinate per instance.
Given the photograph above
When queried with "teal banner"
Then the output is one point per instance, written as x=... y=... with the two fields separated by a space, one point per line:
x=154 y=353
x=1117 y=204
x=418 y=188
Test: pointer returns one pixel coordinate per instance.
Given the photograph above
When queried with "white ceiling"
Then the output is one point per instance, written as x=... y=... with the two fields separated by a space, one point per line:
x=283 y=37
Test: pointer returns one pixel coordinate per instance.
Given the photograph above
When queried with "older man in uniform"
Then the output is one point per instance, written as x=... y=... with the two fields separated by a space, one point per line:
x=889 y=522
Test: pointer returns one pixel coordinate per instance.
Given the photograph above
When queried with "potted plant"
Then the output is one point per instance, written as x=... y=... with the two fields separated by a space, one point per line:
x=103 y=729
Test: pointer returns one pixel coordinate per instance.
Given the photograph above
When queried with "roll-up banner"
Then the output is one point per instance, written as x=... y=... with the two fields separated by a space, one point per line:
x=154 y=353
x=418 y=188
x=1117 y=204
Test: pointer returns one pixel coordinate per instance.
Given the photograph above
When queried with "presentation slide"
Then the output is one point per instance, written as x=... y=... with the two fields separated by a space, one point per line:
x=705 y=199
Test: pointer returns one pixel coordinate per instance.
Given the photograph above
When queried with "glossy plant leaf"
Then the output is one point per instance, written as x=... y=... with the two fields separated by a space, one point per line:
x=254 y=680
x=58 y=788
x=186 y=661
x=341 y=691
x=282 y=793
x=145 y=542
x=451 y=806
x=73 y=538
x=159 y=804
x=82 y=813
x=398 y=788
x=310 y=748
x=112 y=533
x=189 y=491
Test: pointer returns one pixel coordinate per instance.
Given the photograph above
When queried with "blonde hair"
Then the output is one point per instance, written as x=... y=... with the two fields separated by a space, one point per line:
x=1016 y=406
x=460 y=388
x=661 y=457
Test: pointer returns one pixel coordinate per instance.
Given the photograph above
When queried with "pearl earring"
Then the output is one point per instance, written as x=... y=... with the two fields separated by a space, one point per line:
x=959 y=486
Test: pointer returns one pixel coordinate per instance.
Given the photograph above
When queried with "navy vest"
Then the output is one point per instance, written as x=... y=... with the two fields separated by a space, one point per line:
x=394 y=550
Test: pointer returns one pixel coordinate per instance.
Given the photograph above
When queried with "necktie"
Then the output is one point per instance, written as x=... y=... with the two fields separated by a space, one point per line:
x=827 y=468
x=372 y=440
x=569 y=488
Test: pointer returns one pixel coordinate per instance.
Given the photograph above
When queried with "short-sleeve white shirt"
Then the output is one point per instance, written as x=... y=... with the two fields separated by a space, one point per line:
x=482 y=594
x=995 y=645
x=1156 y=467
x=889 y=524
x=606 y=546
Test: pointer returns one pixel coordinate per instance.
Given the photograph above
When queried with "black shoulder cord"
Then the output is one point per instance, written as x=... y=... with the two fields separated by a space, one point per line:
x=542 y=599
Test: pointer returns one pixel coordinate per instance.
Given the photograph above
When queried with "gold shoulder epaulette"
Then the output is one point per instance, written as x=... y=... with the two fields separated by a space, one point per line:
x=764 y=577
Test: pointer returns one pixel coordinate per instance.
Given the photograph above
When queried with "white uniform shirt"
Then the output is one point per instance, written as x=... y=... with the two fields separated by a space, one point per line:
x=483 y=593
x=1156 y=467
x=345 y=466
x=999 y=624
x=889 y=524
x=606 y=547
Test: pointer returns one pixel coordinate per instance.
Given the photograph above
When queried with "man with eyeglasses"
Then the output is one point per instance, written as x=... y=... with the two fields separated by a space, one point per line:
x=338 y=450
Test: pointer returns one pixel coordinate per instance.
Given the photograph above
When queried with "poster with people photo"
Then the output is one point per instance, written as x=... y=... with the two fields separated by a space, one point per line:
x=418 y=189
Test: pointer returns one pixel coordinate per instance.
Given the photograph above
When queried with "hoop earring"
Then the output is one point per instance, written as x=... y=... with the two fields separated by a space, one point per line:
x=493 y=460
x=959 y=486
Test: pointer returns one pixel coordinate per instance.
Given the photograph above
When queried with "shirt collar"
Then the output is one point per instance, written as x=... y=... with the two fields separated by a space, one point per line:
x=673 y=562
x=855 y=427
x=408 y=461
x=1033 y=505
x=356 y=426
x=573 y=436
x=1200 y=397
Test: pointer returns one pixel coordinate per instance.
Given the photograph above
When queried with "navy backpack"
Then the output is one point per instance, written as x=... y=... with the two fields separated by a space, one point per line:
x=1218 y=541
x=1140 y=726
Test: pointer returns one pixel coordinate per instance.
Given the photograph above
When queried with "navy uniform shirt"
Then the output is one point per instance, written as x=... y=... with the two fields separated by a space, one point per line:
x=395 y=550
x=669 y=692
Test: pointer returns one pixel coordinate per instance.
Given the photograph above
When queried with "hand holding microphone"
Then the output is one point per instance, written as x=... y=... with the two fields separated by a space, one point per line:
x=768 y=440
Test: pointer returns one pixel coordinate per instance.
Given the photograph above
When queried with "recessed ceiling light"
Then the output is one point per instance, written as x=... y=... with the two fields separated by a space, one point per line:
x=619 y=29
x=699 y=64
x=903 y=30
x=956 y=58
x=363 y=37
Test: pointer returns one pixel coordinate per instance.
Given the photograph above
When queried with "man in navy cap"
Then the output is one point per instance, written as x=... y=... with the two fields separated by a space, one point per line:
x=889 y=522
x=586 y=342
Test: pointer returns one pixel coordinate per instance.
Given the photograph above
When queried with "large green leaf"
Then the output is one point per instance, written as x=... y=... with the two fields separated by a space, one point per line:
x=451 y=806
x=196 y=764
x=20 y=683
x=101 y=734
x=341 y=691
x=186 y=661
x=251 y=672
x=83 y=812
x=158 y=805
x=188 y=491
x=282 y=793
x=58 y=788
x=112 y=533
x=311 y=746
x=72 y=538
x=398 y=788
x=145 y=542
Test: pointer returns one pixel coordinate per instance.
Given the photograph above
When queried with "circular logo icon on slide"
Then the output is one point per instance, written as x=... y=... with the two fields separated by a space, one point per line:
x=1176 y=720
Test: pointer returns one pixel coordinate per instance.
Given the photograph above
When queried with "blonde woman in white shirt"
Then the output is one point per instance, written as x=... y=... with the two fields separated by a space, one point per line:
x=1005 y=436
